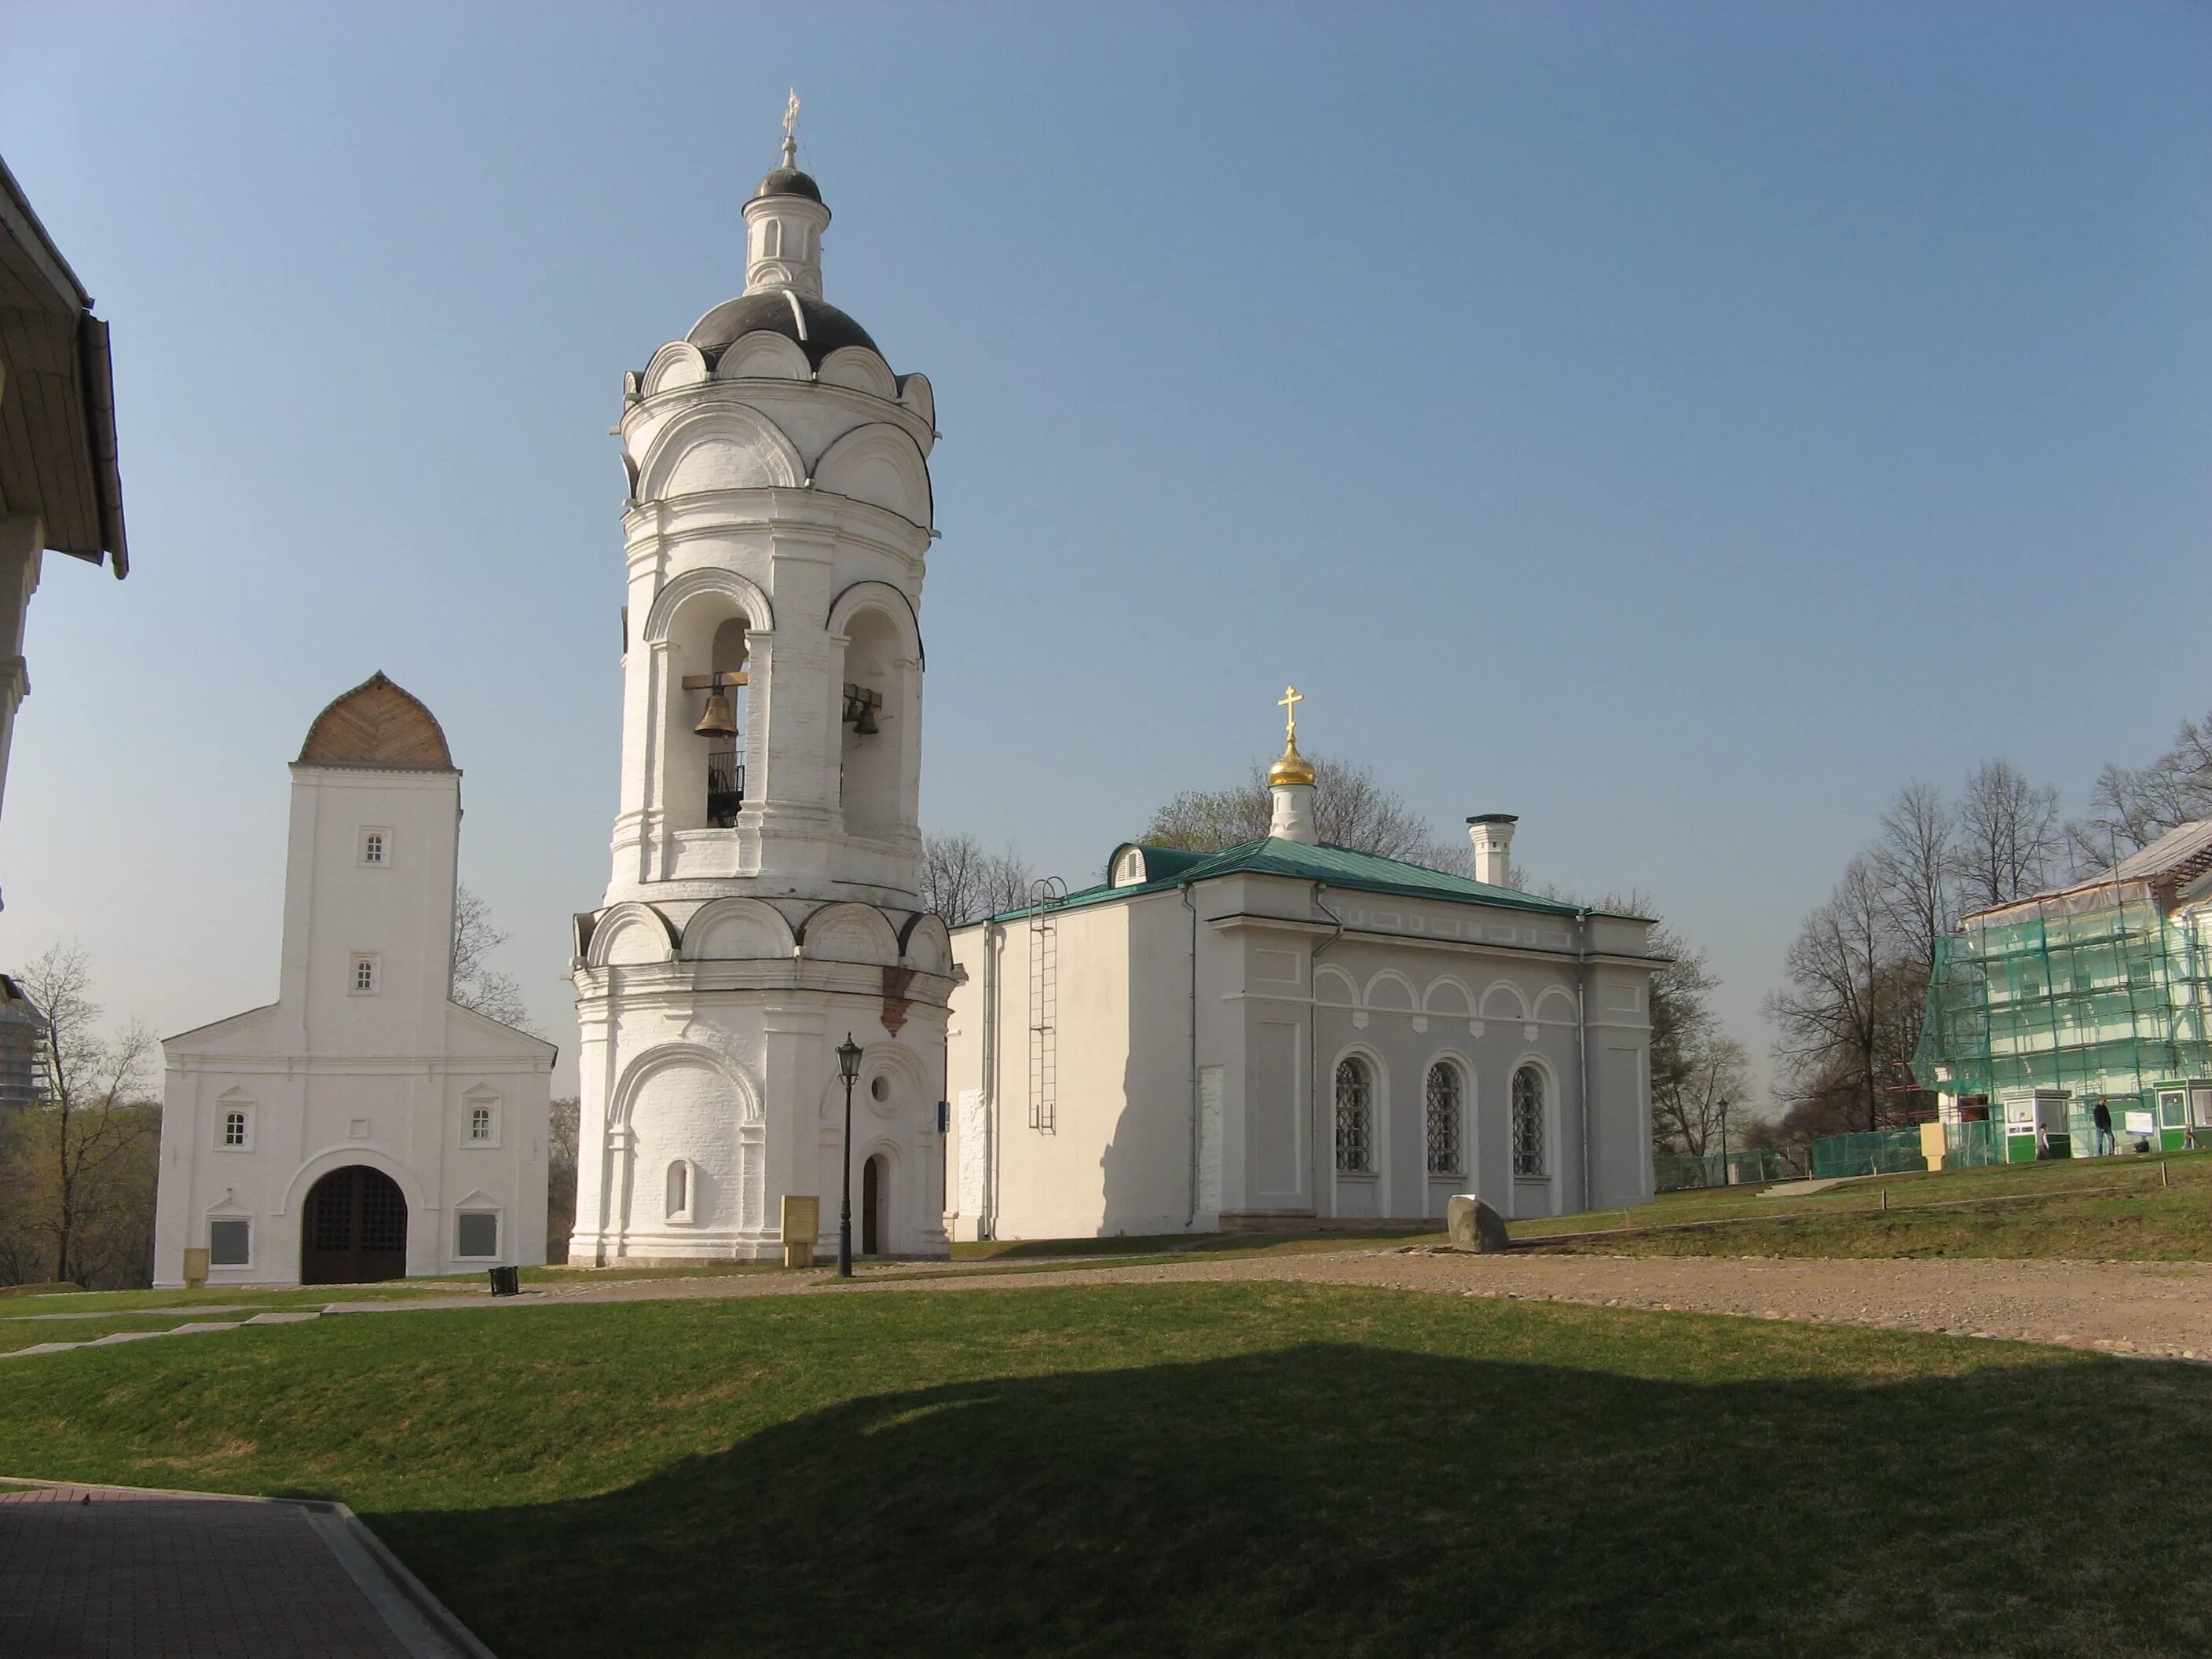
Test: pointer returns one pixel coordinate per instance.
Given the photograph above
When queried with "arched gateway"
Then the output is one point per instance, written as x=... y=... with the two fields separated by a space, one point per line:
x=354 y=1229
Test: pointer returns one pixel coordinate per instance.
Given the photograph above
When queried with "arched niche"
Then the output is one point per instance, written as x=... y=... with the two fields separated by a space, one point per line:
x=927 y=945
x=725 y=446
x=737 y=930
x=1391 y=989
x=1503 y=1000
x=879 y=464
x=850 y=932
x=684 y=1102
x=862 y=370
x=918 y=395
x=1449 y=996
x=675 y=364
x=1560 y=1002
x=762 y=355
x=1333 y=989
x=628 y=935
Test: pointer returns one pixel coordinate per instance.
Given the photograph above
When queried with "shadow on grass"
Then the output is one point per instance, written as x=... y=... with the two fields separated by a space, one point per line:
x=1336 y=1499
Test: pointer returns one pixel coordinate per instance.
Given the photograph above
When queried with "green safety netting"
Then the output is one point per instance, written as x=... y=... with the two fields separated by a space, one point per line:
x=2095 y=992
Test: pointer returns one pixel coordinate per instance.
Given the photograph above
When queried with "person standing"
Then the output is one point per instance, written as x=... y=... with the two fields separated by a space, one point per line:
x=2103 y=1116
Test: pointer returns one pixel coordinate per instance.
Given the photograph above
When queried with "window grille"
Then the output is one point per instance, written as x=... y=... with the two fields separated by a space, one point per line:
x=372 y=847
x=233 y=1129
x=480 y=1123
x=364 y=973
x=1355 y=1101
x=1528 y=1123
x=1445 y=1157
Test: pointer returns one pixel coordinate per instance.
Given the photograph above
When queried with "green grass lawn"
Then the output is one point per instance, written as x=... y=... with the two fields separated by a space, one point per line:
x=1191 y=1469
x=2061 y=1209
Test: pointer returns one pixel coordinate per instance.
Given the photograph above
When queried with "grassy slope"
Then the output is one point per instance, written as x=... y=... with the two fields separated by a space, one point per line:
x=1191 y=1469
x=2048 y=1210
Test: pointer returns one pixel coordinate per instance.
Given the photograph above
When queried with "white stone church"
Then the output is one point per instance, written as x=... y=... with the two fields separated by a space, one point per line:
x=1285 y=1034
x=363 y=1126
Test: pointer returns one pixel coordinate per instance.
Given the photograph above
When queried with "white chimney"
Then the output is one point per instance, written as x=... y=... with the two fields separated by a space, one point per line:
x=1493 y=835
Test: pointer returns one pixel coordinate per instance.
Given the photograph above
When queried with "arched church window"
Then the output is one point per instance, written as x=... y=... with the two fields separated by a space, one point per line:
x=679 y=1191
x=1528 y=1154
x=1446 y=1155
x=1355 y=1116
x=772 y=239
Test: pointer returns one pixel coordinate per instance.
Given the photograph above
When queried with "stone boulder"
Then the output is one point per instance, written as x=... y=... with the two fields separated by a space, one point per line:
x=1475 y=1226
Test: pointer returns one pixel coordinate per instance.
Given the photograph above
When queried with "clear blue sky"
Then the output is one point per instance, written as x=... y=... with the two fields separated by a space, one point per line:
x=1677 y=424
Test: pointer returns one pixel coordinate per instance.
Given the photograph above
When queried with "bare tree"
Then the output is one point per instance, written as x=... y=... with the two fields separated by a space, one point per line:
x=1695 y=1068
x=1839 y=1007
x=1913 y=864
x=1351 y=810
x=477 y=985
x=95 y=1203
x=563 y=1138
x=2008 y=840
x=963 y=883
x=2131 y=808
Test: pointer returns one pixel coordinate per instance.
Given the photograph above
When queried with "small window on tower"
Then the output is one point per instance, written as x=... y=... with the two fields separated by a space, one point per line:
x=375 y=846
x=363 y=980
x=233 y=1129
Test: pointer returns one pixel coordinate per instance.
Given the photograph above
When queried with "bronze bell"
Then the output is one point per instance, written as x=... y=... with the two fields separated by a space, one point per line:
x=865 y=726
x=718 y=722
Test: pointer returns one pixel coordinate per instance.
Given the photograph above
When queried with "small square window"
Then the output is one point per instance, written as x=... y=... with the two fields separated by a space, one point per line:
x=235 y=1127
x=230 y=1243
x=478 y=1235
x=480 y=1123
x=375 y=846
x=362 y=981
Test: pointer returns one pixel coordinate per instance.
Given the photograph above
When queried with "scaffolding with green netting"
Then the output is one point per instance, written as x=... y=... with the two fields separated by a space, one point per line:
x=2102 y=992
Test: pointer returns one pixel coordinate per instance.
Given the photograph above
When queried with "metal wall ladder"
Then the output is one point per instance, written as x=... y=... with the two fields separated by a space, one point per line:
x=1046 y=895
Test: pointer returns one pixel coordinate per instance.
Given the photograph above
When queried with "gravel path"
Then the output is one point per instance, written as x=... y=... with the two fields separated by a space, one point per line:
x=2146 y=1308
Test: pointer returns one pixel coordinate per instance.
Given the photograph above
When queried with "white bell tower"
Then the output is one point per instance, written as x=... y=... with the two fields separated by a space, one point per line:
x=763 y=901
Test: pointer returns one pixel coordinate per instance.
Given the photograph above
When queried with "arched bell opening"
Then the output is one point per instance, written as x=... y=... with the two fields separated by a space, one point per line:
x=873 y=697
x=705 y=714
x=354 y=1229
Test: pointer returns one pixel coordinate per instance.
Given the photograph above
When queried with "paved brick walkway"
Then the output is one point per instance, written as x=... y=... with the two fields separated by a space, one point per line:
x=153 y=1576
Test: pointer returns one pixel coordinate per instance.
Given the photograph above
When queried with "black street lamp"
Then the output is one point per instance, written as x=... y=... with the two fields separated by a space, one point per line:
x=849 y=1068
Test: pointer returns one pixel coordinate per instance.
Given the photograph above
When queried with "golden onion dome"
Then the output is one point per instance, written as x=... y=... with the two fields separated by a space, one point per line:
x=1292 y=768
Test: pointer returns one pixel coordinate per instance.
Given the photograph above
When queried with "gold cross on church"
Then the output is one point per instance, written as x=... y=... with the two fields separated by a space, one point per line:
x=1288 y=703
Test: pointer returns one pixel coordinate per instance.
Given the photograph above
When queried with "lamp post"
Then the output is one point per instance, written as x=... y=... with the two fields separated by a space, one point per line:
x=1724 y=1163
x=849 y=1068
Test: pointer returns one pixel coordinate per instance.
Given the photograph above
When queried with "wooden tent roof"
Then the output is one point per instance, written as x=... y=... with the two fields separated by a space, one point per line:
x=377 y=723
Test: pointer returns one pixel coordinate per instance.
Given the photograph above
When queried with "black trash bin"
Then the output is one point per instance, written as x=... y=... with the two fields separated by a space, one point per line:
x=507 y=1281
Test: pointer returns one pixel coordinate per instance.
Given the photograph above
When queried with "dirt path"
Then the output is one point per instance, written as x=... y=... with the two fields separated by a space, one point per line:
x=2146 y=1308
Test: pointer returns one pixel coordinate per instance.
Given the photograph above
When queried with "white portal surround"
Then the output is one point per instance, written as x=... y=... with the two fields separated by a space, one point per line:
x=778 y=526
x=363 y=1059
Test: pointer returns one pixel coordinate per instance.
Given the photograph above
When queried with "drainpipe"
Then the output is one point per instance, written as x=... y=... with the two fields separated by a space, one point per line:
x=1581 y=1043
x=986 y=1224
x=1313 y=1048
x=1196 y=1104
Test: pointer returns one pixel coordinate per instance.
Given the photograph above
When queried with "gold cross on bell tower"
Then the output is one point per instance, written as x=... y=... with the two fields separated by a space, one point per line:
x=791 y=131
x=1288 y=703
x=1292 y=768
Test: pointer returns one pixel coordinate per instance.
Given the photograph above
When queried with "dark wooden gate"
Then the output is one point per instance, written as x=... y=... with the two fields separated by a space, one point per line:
x=355 y=1230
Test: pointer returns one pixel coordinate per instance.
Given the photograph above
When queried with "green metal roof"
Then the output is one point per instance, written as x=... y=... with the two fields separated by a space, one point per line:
x=1333 y=866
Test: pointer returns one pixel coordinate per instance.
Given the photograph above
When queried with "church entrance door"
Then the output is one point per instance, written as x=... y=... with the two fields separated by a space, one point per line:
x=871 y=1206
x=354 y=1229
